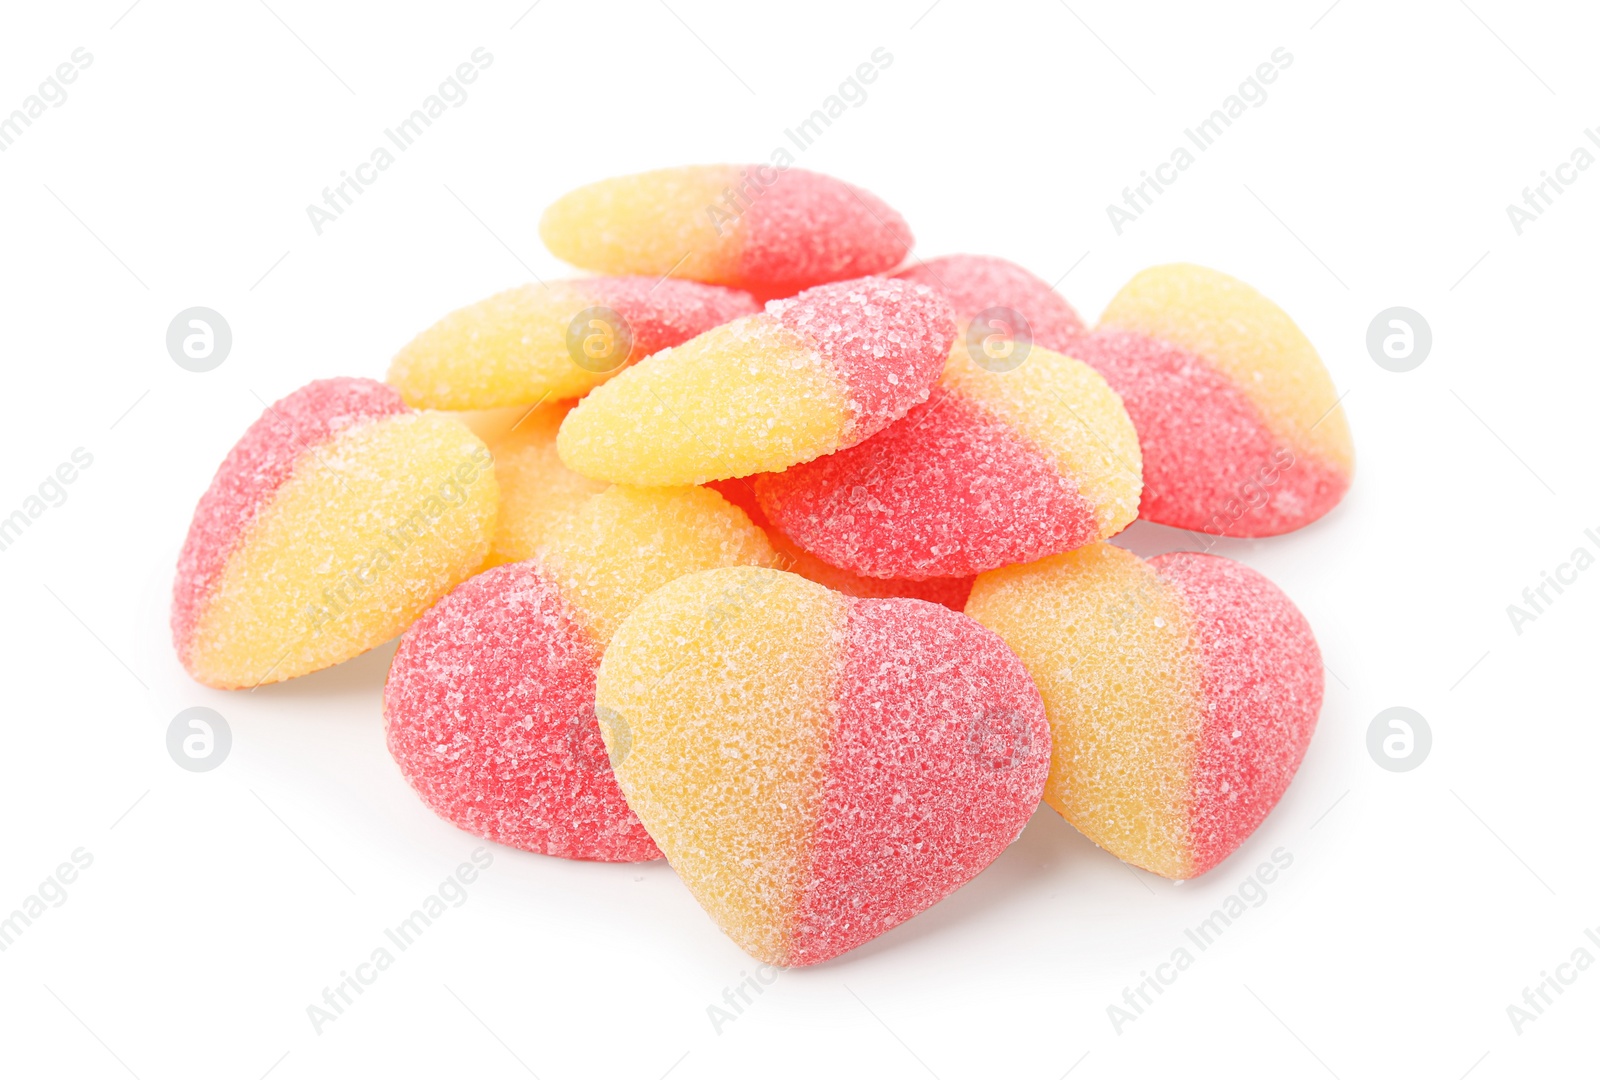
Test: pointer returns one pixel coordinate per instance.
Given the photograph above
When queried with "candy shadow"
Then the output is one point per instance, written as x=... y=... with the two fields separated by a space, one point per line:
x=362 y=676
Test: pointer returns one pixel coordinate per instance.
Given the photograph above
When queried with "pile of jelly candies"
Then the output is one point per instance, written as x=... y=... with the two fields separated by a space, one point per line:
x=781 y=553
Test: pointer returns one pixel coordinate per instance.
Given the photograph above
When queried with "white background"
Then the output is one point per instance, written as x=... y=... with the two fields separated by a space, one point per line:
x=219 y=905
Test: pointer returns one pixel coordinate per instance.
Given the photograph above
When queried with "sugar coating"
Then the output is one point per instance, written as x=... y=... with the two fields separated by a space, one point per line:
x=621 y=545
x=489 y=712
x=714 y=698
x=974 y=283
x=802 y=379
x=1113 y=653
x=1261 y=679
x=997 y=468
x=949 y=491
x=1250 y=340
x=1068 y=412
x=725 y=404
x=647 y=223
x=752 y=227
x=949 y=592
x=259 y=463
x=369 y=529
x=1211 y=462
x=884 y=340
x=808 y=229
x=512 y=349
x=817 y=768
x=1181 y=694
x=936 y=761
x=535 y=488
x=490 y=701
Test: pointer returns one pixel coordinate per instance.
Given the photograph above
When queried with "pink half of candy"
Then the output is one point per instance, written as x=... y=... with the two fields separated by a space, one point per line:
x=807 y=228
x=950 y=592
x=975 y=284
x=886 y=342
x=662 y=313
x=1261 y=688
x=949 y=491
x=489 y=709
x=1211 y=462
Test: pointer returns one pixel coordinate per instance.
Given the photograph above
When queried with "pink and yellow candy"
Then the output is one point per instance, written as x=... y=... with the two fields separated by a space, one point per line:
x=334 y=522
x=536 y=490
x=817 y=768
x=808 y=376
x=489 y=705
x=1242 y=430
x=553 y=341
x=1182 y=693
x=756 y=227
x=980 y=284
x=1001 y=465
